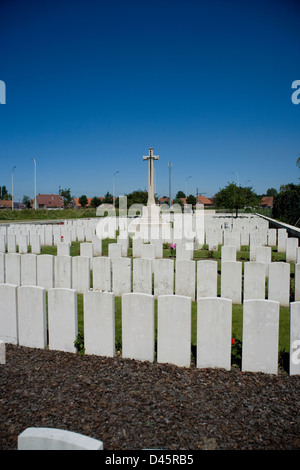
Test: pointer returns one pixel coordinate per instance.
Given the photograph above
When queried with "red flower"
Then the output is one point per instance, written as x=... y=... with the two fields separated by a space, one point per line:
x=232 y=340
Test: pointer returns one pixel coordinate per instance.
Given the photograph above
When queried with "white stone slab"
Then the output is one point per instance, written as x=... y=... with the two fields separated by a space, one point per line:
x=2 y=268
x=279 y=283
x=2 y=243
x=35 y=242
x=291 y=250
x=163 y=277
x=13 y=268
x=142 y=276
x=56 y=439
x=2 y=353
x=11 y=243
x=63 y=272
x=121 y=276
x=63 y=249
x=45 y=271
x=214 y=318
x=254 y=280
x=297 y=281
x=231 y=281
x=138 y=326
x=102 y=273
x=23 y=244
x=99 y=323
x=185 y=278
x=114 y=250
x=81 y=277
x=87 y=249
x=62 y=319
x=207 y=278
x=8 y=314
x=294 y=338
x=260 y=336
x=32 y=317
x=29 y=269
x=97 y=245
x=174 y=330
x=228 y=253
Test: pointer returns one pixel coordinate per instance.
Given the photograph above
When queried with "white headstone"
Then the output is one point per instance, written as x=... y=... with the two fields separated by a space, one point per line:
x=13 y=268
x=99 y=323
x=207 y=278
x=231 y=281
x=2 y=268
x=11 y=243
x=228 y=253
x=56 y=439
x=254 y=280
x=102 y=273
x=8 y=314
x=138 y=326
x=185 y=278
x=45 y=271
x=279 y=283
x=214 y=318
x=32 y=317
x=29 y=269
x=163 y=277
x=35 y=242
x=174 y=330
x=81 y=277
x=63 y=272
x=62 y=319
x=291 y=250
x=260 y=336
x=2 y=353
x=114 y=250
x=142 y=275
x=294 y=338
x=63 y=249
x=297 y=282
x=121 y=276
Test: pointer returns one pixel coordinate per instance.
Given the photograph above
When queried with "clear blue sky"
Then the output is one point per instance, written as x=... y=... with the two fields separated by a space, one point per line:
x=91 y=85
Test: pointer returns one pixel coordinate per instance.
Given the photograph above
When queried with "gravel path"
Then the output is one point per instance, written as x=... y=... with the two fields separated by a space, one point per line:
x=132 y=405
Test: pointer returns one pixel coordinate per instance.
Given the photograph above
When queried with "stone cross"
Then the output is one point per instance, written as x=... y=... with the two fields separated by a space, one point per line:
x=150 y=158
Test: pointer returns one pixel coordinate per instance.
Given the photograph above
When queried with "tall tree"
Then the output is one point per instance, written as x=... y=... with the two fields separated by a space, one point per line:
x=286 y=205
x=235 y=197
x=66 y=195
x=95 y=202
x=83 y=200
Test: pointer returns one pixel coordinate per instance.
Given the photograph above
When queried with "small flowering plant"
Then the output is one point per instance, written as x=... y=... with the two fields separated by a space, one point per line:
x=173 y=248
x=236 y=351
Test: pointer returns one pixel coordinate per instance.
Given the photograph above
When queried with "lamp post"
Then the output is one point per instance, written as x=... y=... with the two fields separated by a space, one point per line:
x=114 y=187
x=34 y=183
x=12 y=188
x=170 y=167
x=186 y=186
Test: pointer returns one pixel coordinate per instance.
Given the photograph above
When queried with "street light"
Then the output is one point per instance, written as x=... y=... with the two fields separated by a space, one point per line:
x=34 y=183
x=186 y=185
x=114 y=187
x=170 y=167
x=12 y=188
